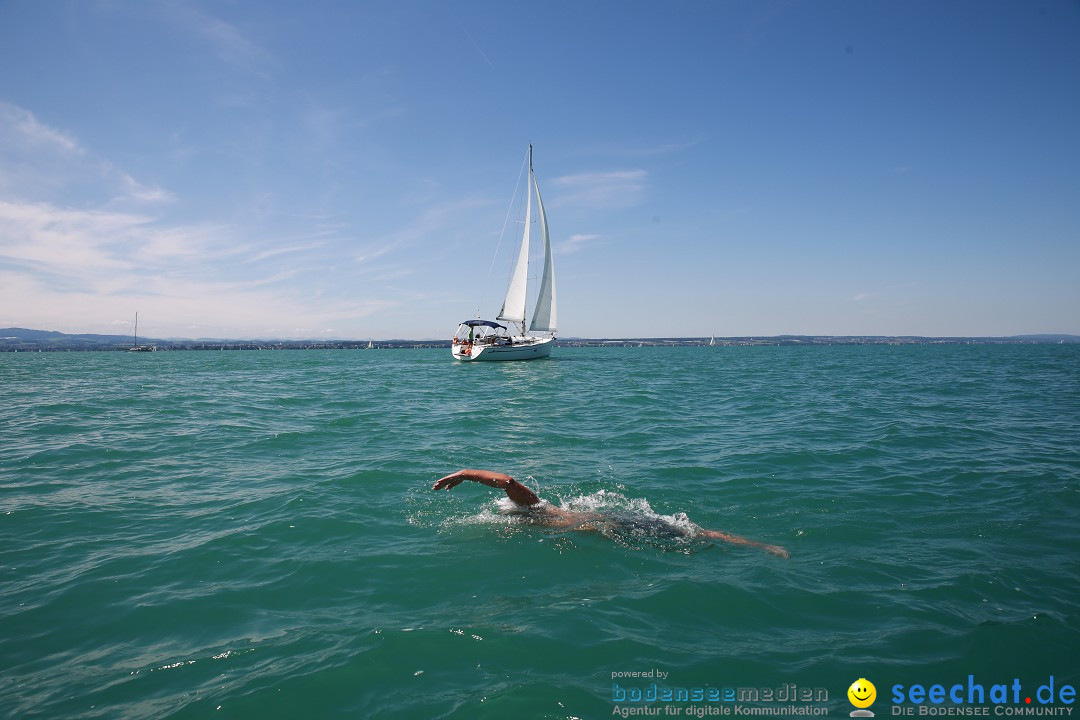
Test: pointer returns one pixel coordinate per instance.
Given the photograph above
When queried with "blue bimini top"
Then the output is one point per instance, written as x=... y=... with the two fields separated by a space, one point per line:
x=483 y=323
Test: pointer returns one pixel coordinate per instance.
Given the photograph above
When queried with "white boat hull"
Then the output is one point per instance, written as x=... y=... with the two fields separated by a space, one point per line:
x=522 y=349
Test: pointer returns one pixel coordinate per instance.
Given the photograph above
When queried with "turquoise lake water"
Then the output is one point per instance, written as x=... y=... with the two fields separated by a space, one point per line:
x=253 y=534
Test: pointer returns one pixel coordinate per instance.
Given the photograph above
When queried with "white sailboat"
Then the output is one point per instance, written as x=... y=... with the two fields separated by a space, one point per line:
x=136 y=347
x=487 y=340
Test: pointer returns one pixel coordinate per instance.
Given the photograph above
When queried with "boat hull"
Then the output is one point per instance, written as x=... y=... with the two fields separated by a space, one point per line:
x=532 y=349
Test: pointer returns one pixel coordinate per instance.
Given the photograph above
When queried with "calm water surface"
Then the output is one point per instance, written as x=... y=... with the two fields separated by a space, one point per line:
x=253 y=534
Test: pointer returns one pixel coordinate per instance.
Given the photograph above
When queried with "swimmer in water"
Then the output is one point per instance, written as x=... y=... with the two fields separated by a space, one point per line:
x=546 y=514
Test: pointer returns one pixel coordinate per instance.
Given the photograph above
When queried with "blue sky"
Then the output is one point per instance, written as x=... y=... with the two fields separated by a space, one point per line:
x=343 y=169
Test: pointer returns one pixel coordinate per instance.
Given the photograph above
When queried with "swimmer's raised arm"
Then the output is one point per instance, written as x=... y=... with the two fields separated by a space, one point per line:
x=514 y=490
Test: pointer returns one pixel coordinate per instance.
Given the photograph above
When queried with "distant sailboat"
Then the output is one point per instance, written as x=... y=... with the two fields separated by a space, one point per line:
x=487 y=340
x=712 y=341
x=136 y=347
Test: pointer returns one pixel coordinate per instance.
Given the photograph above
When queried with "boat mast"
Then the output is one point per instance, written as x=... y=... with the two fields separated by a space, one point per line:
x=529 y=181
x=529 y=184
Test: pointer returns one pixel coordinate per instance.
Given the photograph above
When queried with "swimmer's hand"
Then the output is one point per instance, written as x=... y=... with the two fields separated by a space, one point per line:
x=450 y=481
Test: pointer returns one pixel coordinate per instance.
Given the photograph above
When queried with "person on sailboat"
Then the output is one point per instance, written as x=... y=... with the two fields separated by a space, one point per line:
x=544 y=513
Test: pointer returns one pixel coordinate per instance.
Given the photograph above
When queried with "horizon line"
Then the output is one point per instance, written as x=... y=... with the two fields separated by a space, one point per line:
x=633 y=338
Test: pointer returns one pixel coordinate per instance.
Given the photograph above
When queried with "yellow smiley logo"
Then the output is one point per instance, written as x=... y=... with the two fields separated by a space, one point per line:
x=862 y=693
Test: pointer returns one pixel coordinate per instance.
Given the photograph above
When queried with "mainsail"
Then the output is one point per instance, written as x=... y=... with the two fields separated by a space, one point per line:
x=544 y=314
x=513 y=308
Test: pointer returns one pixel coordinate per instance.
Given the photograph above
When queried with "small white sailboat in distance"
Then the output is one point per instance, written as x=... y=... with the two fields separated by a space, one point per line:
x=136 y=347
x=488 y=340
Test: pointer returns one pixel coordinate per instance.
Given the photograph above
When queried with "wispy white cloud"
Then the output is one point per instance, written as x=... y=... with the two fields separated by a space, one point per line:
x=19 y=126
x=228 y=42
x=65 y=241
x=132 y=189
x=613 y=189
x=284 y=250
x=170 y=307
x=85 y=268
x=576 y=242
x=92 y=245
x=206 y=245
x=630 y=151
x=38 y=158
x=84 y=244
x=439 y=220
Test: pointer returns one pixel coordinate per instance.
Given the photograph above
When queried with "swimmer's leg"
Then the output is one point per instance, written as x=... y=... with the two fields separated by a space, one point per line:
x=736 y=540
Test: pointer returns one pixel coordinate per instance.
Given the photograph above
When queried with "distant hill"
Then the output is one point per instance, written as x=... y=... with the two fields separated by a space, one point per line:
x=27 y=340
x=24 y=338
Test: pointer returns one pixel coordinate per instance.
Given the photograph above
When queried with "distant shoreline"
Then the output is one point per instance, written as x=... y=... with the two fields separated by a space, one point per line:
x=23 y=340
